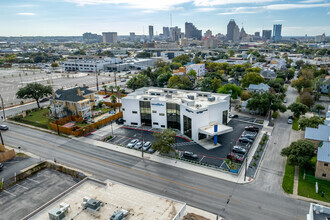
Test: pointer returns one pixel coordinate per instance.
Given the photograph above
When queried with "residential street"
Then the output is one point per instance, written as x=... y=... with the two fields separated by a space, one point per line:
x=249 y=201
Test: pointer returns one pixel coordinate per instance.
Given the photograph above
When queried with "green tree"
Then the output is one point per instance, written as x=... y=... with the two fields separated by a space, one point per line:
x=231 y=53
x=111 y=88
x=276 y=85
x=54 y=65
x=113 y=100
x=299 y=153
x=143 y=55
x=245 y=95
x=183 y=59
x=196 y=60
x=252 y=78
x=232 y=89
x=180 y=82
x=318 y=108
x=164 y=141
x=163 y=78
x=105 y=89
x=34 y=91
x=264 y=102
x=307 y=99
x=312 y=122
x=138 y=81
x=215 y=84
x=192 y=73
x=298 y=109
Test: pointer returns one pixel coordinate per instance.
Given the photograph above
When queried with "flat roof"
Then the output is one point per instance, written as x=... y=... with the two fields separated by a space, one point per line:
x=200 y=101
x=209 y=130
x=115 y=196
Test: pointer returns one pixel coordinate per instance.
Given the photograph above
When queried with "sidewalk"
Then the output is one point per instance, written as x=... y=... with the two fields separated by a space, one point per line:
x=172 y=162
x=296 y=180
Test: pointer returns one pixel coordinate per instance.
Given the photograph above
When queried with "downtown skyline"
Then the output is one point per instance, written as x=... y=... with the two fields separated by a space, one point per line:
x=73 y=17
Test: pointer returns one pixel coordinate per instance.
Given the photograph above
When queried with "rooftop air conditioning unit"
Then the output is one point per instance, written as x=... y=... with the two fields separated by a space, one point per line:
x=91 y=204
x=191 y=97
x=168 y=96
x=211 y=99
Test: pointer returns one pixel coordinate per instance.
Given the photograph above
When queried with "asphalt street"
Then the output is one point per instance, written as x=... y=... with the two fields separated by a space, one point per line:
x=201 y=191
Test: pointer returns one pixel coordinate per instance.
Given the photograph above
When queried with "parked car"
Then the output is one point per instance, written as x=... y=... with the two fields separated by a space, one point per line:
x=234 y=157
x=190 y=155
x=245 y=140
x=252 y=128
x=248 y=135
x=120 y=121
x=285 y=101
x=239 y=150
x=290 y=120
x=123 y=80
x=132 y=143
x=138 y=145
x=107 y=96
x=146 y=146
x=151 y=150
x=44 y=99
x=1 y=166
x=4 y=127
x=232 y=115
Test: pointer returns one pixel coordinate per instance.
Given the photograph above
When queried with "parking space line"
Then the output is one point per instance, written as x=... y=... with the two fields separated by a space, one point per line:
x=33 y=180
x=201 y=159
x=9 y=192
x=22 y=186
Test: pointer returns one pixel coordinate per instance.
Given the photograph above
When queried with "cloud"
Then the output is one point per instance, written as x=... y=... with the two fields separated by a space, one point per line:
x=328 y=13
x=274 y=7
x=312 y=1
x=205 y=9
x=26 y=14
x=278 y=20
x=207 y=3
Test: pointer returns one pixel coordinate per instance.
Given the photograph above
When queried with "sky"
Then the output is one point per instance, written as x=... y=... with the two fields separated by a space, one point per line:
x=74 y=17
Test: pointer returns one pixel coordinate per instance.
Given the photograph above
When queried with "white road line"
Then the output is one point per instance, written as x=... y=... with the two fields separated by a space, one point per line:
x=201 y=159
x=9 y=192
x=21 y=186
x=33 y=180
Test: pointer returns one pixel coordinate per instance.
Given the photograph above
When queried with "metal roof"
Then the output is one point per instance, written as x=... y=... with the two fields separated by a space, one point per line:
x=322 y=133
x=323 y=153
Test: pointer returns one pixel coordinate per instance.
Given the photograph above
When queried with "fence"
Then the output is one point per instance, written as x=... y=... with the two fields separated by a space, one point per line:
x=78 y=131
x=7 y=155
x=118 y=104
x=110 y=93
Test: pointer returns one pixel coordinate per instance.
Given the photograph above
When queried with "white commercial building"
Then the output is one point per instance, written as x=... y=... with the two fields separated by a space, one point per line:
x=197 y=115
x=199 y=68
x=93 y=64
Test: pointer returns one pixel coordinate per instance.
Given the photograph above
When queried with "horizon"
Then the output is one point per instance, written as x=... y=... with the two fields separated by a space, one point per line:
x=75 y=17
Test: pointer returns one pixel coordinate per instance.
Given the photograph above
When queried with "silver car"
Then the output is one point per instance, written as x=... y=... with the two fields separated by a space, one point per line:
x=132 y=143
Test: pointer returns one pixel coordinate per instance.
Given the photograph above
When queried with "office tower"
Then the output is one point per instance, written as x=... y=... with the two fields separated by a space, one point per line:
x=277 y=32
x=132 y=36
x=109 y=37
x=192 y=32
x=175 y=33
x=257 y=34
x=166 y=32
x=208 y=33
x=320 y=38
x=232 y=31
x=242 y=34
x=266 y=34
x=92 y=38
x=151 y=33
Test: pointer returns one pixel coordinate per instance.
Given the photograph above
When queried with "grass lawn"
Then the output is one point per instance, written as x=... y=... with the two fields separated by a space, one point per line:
x=81 y=124
x=38 y=118
x=306 y=187
x=103 y=110
x=295 y=124
x=298 y=99
x=288 y=178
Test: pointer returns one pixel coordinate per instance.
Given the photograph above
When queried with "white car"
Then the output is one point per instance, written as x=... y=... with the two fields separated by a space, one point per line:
x=132 y=143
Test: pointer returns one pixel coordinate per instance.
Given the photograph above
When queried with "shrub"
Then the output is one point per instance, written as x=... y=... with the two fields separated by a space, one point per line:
x=275 y=115
x=254 y=164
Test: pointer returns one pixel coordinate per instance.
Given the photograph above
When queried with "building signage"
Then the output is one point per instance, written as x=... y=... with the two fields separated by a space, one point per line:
x=157 y=104
x=201 y=112
x=189 y=110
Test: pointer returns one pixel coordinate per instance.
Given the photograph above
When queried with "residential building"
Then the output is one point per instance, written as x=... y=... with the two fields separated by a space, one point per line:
x=90 y=38
x=277 y=32
x=151 y=33
x=318 y=212
x=266 y=35
x=322 y=167
x=132 y=36
x=181 y=71
x=171 y=54
x=95 y=199
x=260 y=88
x=109 y=37
x=198 y=68
x=75 y=101
x=327 y=116
x=325 y=86
x=197 y=115
x=88 y=63
x=192 y=32
x=268 y=74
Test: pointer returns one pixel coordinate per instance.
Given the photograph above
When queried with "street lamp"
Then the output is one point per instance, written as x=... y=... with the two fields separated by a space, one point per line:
x=142 y=138
x=3 y=108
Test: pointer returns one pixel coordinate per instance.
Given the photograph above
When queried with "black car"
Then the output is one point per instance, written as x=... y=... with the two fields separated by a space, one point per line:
x=245 y=140
x=190 y=155
x=252 y=128
x=4 y=127
x=1 y=166
x=120 y=121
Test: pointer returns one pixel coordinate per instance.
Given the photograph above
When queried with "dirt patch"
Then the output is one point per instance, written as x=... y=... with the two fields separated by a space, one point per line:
x=192 y=216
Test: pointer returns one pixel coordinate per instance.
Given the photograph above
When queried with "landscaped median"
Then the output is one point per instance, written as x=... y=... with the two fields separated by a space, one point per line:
x=288 y=178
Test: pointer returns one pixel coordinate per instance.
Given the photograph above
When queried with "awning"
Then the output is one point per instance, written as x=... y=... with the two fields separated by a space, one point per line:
x=209 y=129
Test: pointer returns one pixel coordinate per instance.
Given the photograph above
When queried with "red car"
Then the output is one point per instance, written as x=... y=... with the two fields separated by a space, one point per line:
x=107 y=96
x=234 y=157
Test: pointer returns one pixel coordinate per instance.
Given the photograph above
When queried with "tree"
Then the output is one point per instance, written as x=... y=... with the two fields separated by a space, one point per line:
x=164 y=141
x=138 y=81
x=105 y=89
x=231 y=53
x=180 y=82
x=232 y=89
x=175 y=66
x=163 y=78
x=215 y=84
x=276 y=85
x=264 y=102
x=113 y=100
x=143 y=55
x=183 y=59
x=298 y=109
x=299 y=153
x=318 y=108
x=196 y=59
x=192 y=73
x=34 y=91
x=252 y=78
x=245 y=95
x=312 y=122
x=111 y=88
x=54 y=65
x=307 y=99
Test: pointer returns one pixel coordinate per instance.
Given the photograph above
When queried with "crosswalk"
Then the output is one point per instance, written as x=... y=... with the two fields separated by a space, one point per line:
x=182 y=144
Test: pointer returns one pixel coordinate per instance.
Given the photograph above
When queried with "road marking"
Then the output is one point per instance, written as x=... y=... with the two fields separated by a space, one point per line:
x=201 y=159
x=9 y=192
x=129 y=169
x=33 y=180
x=22 y=186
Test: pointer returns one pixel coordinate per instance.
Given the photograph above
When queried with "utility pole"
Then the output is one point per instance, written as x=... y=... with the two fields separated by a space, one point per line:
x=246 y=161
x=3 y=108
x=115 y=79
x=97 y=78
x=2 y=139
x=56 y=118
x=142 y=139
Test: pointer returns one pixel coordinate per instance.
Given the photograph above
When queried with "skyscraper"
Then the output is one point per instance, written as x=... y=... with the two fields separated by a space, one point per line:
x=166 y=32
x=109 y=37
x=208 y=33
x=277 y=32
x=175 y=33
x=132 y=36
x=232 y=31
x=266 y=34
x=192 y=32
x=151 y=33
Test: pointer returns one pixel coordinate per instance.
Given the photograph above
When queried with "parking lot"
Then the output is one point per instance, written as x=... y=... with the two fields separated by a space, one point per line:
x=15 y=165
x=214 y=157
x=32 y=192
